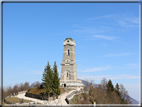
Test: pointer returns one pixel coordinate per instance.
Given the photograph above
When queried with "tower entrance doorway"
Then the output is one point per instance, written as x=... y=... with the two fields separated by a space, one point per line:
x=64 y=85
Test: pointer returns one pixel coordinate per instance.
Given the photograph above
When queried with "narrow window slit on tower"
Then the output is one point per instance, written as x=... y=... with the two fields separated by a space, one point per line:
x=67 y=74
x=68 y=52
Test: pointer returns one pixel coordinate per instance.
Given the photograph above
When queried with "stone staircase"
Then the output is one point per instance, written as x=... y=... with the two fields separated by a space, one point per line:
x=75 y=92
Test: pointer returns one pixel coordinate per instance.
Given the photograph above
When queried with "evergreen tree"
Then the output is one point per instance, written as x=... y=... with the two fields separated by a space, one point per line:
x=56 y=82
x=117 y=89
x=50 y=80
x=110 y=87
x=45 y=73
x=50 y=73
x=47 y=86
x=122 y=101
x=90 y=91
x=47 y=80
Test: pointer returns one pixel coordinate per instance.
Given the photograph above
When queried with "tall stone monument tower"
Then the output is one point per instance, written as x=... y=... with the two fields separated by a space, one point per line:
x=68 y=71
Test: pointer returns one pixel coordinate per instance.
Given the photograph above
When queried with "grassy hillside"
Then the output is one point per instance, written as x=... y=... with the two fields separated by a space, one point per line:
x=37 y=91
x=79 y=99
x=16 y=100
x=99 y=96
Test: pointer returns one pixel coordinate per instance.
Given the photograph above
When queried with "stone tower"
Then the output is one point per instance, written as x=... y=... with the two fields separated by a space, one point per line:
x=68 y=71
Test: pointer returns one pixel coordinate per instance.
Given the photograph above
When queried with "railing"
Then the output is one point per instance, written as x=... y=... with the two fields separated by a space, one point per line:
x=70 y=96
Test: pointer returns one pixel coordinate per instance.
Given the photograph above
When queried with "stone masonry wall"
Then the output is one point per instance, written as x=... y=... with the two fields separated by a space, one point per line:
x=72 y=53
x=69 y=63
x=41 y=97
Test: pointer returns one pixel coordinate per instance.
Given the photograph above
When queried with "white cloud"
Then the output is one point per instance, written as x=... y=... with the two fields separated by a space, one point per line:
x=105 y=16
x=94 y=77
x=133 y=65
x=111 y=16
x=97 y=69
x=124 y=20
x=133 y=20
x=112 y=77
x=133 y=77
x=117 y=54
x=87 y=30
x=129 y=22
x=105 y=37
x=132 y=85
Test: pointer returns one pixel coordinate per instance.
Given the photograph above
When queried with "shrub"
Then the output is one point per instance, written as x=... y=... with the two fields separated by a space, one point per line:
x=21 y=100
x=29 y=90
x=37 y=85
x=91 y=99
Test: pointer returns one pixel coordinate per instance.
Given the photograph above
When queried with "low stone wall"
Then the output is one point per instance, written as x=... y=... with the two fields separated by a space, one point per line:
x=12 y=95
x=35 y=96
x=15 y=94
x=70 y=96
x=21 y=92
x=8 y=102
x=41 y=97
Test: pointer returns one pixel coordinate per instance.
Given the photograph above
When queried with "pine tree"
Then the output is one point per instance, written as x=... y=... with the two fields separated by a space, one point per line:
x=50 y=73
x=110 y=87
x=47 y=80
x=117 y=89
x=45 y=73
x=90 y=91
x=56 y=82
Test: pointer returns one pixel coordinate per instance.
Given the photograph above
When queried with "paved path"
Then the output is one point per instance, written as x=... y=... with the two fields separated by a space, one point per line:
x=58 y=101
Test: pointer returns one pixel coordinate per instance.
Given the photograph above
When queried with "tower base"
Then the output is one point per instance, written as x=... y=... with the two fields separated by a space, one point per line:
x=71 y=83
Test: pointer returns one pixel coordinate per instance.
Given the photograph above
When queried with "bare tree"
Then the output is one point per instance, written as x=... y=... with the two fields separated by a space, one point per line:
x=104 y=83
x=124 y=94
x=89 y=84
x=21 y=87
x=99 y=86
x=4 y=90
x=12 y=91
x=128 y=98
x=15 y=88
x=26 y=86
x=9 y=91
x=122 y=89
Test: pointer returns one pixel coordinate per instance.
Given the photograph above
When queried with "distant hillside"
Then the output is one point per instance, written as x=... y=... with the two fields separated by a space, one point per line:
x=134 y=101
x=95 y=85
x=33 y=84
x=85 y=83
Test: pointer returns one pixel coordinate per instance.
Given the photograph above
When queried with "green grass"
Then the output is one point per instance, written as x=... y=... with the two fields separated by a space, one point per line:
x=70 y=89
x=74 y=99
x=16 y=100
x=37 y=91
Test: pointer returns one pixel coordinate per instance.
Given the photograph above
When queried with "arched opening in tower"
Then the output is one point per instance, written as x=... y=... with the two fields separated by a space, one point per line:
x=64 y=85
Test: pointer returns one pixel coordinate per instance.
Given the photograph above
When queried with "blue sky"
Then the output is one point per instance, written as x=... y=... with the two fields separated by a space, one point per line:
x=106 y=37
